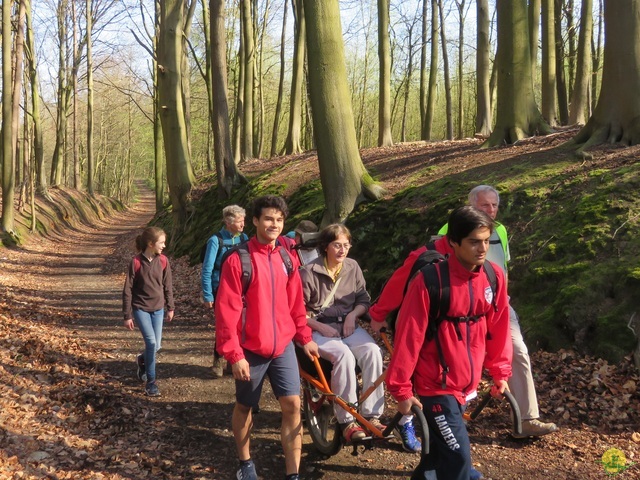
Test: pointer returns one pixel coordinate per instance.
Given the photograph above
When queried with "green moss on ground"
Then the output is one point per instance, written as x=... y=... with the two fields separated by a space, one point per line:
x=575 y=248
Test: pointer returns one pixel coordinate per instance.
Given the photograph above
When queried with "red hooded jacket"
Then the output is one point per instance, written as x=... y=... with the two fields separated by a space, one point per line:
x=391 y=296
x=415 y=363
x=275 y=310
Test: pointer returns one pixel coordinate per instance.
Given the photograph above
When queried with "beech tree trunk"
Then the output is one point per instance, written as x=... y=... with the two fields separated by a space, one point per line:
x=578 y=113
x=483 y=70
x=517 y=113
x=8 y=179
x=293 y=143
x=226 y=170
x=549 y=88
x=616 y=117
x=345 y=181
x=447 y=77
x=384 y=56
x=433 y=73
x=180 y=177
x=90 y=159
x=249 y=73
x=276 y=116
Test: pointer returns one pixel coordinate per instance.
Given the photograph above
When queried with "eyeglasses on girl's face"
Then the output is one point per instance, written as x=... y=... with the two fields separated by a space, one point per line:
x=340 y=246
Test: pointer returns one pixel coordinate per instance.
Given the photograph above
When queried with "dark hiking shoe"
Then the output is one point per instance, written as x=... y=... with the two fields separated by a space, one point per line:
x=142 y=371
x=247 y=471
x=152 y=389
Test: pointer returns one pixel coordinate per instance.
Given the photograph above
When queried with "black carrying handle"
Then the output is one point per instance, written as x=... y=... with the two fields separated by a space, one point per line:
x=515 y=409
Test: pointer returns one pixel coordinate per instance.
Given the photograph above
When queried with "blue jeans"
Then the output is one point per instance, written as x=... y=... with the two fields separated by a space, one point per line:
x=150 y=325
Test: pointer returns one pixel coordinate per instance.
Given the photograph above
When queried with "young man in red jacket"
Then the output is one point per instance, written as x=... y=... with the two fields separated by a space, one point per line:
x=474 y=334
x=257 y=340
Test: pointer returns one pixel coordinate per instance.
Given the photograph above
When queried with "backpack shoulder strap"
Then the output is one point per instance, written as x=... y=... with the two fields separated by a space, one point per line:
x=436 y=279
x=286 y=258
x=163 y=261
x=493 y=281
x=245 y=262
x=136 y=264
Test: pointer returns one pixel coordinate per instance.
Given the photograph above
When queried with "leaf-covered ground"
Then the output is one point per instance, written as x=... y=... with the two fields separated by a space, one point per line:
x=71 y=406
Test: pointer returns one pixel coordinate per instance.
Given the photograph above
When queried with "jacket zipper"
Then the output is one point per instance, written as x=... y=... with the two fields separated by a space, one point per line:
x=469 y=339
x=273 y=302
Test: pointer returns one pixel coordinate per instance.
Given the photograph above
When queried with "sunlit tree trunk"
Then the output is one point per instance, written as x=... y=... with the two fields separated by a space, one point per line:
x=483 y=69
x=407 y=85
x=90 y=159
x=578 y=113
x=249 y=73
x=596 y=55
x=38 y=148
x=57 y=160
x=206 y=30
x=239 y=114
x=447 y=77
x=549 y=88
x=189 y=12
x=276 y=117
x=384 y=56
x=423 y=68
x=461 y=15
x=534 y=33
x=180 y=176
x=77 y=182
x=561 y=83
x=225 y=166
x=293 y=145
x=571 y=41
x=17 y=83
x=617 y=113
x=433 y=73
x=8 y=179
x=158 y=148
x=517 y=113
x=344 y=179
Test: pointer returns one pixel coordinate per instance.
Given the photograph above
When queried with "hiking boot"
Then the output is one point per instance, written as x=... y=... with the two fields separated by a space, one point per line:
x=407 y=434
x=247 y=471
x=151 y=389
x=352 y=431
x=218 y=367
x=535 y=428
x=142 y=371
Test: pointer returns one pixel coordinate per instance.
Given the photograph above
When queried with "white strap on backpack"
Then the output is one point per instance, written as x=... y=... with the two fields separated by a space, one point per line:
x=332 y=294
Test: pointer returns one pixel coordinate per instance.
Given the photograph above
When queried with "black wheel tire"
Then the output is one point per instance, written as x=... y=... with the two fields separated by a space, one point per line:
x=322 y=424
x=422 y=428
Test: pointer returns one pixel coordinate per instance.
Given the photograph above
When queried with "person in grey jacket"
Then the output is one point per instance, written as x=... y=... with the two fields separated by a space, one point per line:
x=335 y=295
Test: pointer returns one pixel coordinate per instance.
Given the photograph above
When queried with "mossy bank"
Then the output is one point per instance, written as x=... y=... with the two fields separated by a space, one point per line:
x=573 y=225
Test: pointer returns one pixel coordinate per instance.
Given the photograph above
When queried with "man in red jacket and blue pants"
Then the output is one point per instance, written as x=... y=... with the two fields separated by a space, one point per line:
x=257 y=339
x=466 y=346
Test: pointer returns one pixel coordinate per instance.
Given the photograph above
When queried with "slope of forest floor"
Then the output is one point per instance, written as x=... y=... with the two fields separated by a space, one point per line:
x=71 y=406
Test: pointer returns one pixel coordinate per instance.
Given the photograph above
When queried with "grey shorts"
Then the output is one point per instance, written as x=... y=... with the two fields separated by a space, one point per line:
x=283 y=375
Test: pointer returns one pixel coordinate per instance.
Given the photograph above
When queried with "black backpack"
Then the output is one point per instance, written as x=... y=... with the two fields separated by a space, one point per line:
x=439 y=288
x=245 y=260
x=224 y=245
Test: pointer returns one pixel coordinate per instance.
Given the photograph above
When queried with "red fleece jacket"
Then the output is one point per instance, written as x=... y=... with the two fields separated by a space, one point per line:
x=275 y=311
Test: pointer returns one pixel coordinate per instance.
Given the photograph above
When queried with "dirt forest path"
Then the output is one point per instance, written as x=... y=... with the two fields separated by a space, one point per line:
x=185 y=433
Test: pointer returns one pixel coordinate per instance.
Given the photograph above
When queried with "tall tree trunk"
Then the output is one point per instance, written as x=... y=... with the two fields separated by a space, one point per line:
x=578 y=112
x=447 y=75
x=17 y=83
x=249 y=74
x=225 y=166
x=615 y=118
x=190 y=7
x=57 y=161
x=423 y=68
x=180 y=176
x=77 y=182
x=158 y=158
x=239 y=113
x=90 y=160
x=293 y=145
x=571 y=40
x=460 y=5
x=38 y=148
x=517 y=113
x=596 y=55
x=549 y=89
x=385 y=138
x=206 y=29
x=259 y=137
x=407 y=85
x=534 y=32
x=344 y=179
x=276 y=117
x=8 y=179
x=561 y=83
x=483 y=69
x=433 y=73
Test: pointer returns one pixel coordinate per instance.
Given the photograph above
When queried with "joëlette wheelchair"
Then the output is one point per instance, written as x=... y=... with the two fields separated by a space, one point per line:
x=318 y=404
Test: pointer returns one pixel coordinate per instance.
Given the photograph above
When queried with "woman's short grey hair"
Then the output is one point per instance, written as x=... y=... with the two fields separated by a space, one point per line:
x=473 y=194
x=231 y=212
